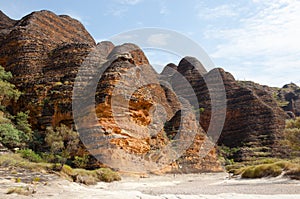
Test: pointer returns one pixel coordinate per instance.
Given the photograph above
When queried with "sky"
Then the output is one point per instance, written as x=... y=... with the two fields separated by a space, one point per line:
x=257 y=40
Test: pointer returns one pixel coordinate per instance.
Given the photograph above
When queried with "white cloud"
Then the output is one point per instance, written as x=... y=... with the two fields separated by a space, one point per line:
x=129 y=2
x=217 y=12
x=164 y=10
x=117 y=12
x=159 y=39
x=269 y=40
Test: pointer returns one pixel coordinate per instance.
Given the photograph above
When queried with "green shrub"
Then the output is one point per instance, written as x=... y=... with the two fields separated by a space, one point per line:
x=30 y=155
x=21 y=121
x=292 y=136
x=61 y=141
x=227 y=154
x=36 y=179
x=8 y=91
x=15 y=131
x=107 y=175
x=12 y=137
x=81 y=162
x=18 y=180
x=264 y=170
x=67 y=170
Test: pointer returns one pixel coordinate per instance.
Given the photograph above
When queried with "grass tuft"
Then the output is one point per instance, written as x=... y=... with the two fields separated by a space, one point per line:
x=20 y=191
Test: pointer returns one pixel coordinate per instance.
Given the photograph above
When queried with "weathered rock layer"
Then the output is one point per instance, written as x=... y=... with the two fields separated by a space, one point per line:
x=254 y=122
x=45 y=52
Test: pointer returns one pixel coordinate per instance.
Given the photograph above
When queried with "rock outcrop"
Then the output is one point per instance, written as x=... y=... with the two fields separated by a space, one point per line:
x=286 y=97
x=143 y=119
x=45 y=52
x=141 y=124
x=254 y=122
x=289 y=96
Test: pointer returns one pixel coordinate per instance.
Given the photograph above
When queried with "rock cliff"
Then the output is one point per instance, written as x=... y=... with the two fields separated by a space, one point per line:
x=254 y=122
x=289 y=96
x=45 y=51
x=143 y=116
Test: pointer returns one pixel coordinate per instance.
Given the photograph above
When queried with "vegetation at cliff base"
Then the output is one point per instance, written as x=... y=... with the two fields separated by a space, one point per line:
x=292 y=135
x=270 y=167
x=42 y=151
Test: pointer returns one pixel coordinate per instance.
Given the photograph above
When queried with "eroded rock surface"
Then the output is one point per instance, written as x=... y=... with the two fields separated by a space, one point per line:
x=254 y=122
x=45 y=52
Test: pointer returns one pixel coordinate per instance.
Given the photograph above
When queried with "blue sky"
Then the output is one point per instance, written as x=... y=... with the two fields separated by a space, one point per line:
x=256 y=40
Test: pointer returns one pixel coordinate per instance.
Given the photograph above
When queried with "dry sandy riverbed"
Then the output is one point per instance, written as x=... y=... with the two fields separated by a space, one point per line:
x=204 y=186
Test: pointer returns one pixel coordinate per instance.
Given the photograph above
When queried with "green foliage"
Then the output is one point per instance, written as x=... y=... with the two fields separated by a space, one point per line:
x=227 y=154
x=8 y=91
x=76 y=175
x=18 y=180
x=269 y=167
x=12 y=137
x=201 y=110
x=15 y=135
x=22 y=123
x=90 y=177
x=30 y=155
x=36 y=179
x=81 y=162
x=61 y=141
x=4 y=76
x=292 y=135
x=264 y=170
x=15 y=160
x=15 y=131
x=107 y=175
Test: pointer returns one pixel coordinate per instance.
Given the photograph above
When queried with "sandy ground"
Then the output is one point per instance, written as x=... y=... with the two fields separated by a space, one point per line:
x=204 y=186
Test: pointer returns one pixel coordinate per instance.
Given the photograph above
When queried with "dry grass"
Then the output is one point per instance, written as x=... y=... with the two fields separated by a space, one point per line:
x=88 y=177
x=26 y=191
x=15 y=160
x=260 y=171
x=269 y=167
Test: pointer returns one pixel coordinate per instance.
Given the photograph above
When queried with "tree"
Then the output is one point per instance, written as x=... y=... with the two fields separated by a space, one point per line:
x=61 y=141
x=15 y=131
x=12 y=137
x=8 y=91
x=22 y=124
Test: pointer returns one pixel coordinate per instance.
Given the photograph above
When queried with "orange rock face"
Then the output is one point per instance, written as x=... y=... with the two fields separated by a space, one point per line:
x=45 y=52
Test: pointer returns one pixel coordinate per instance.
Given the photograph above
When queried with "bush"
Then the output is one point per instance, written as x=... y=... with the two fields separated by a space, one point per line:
x=21 y=121
x=30 y=155
x=107 y=175
x=15 y=131
x=90 y=177
x=227 y=154
x=61 y=141
x=264 y=170
x=292 y=136
x=12 y=137
x=81 y=162
x=8 y=91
